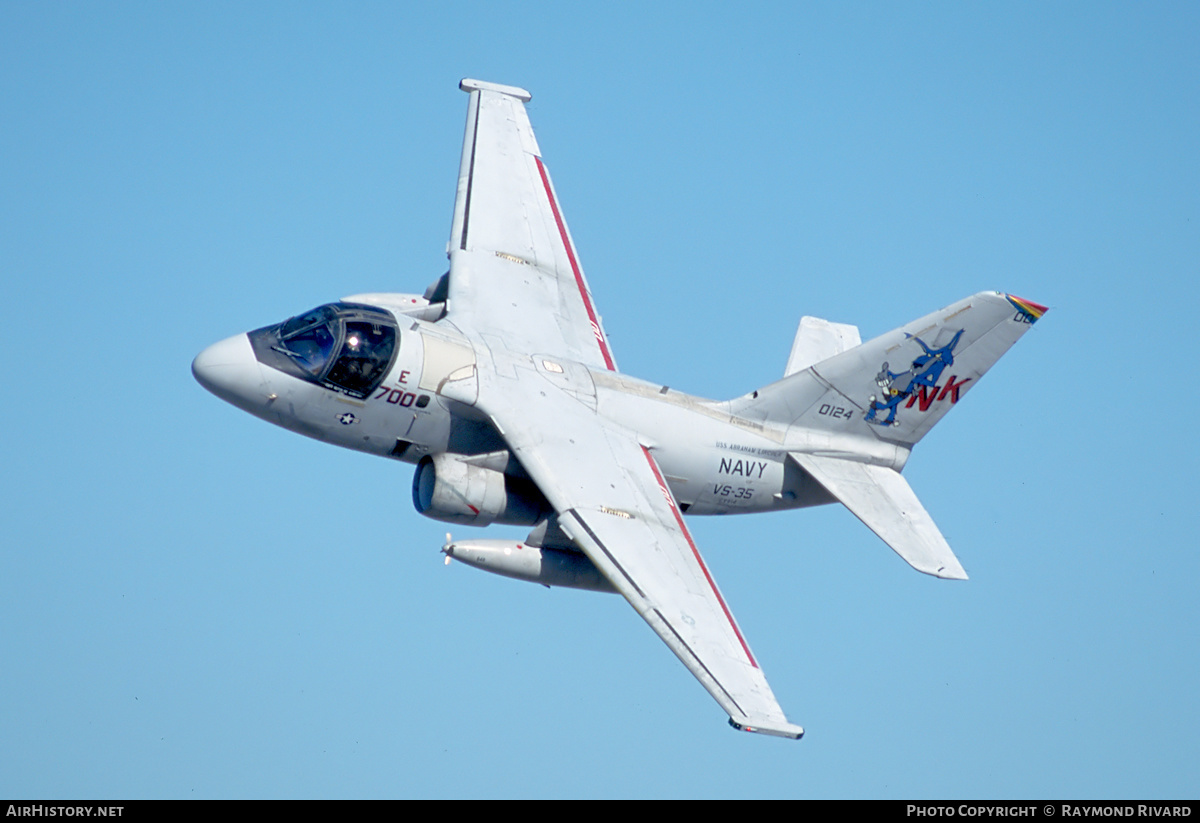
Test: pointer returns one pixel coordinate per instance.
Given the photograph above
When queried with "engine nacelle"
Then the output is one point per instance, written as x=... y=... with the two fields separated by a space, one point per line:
x=450 y=489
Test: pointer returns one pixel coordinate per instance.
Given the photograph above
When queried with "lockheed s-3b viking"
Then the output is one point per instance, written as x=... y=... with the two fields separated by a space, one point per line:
x=500 y=385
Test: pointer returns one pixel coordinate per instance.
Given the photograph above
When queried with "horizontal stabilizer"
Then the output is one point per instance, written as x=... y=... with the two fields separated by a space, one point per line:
x=818 y=340
x=882 y=499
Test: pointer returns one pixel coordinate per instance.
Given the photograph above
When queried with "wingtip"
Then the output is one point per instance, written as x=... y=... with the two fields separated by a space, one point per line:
x=786 y=730
x=468 y=85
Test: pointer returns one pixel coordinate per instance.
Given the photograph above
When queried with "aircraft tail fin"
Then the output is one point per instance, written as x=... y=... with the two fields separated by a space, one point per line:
x=898 y=385
x=882 y=499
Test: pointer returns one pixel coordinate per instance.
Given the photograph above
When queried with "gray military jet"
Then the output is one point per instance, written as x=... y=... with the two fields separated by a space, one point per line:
x=500 y=385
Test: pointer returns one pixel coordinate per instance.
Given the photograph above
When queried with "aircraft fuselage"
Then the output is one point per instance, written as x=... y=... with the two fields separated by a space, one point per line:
x=714 y=463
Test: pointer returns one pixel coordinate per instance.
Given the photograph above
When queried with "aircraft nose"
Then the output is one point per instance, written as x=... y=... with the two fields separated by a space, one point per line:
x=230 y=370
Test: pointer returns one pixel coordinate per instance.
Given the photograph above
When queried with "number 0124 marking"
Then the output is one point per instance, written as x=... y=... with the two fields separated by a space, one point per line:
x=835 y=411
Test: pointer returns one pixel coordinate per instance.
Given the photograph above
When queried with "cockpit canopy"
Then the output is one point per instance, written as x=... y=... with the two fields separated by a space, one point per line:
x=346 y=347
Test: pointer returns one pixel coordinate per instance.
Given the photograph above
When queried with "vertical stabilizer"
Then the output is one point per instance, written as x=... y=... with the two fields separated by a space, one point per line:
x=897 y=386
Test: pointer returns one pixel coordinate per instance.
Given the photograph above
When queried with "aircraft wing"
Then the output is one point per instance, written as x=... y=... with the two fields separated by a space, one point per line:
x=517 y=290
x=512 y=260
x=612 y=500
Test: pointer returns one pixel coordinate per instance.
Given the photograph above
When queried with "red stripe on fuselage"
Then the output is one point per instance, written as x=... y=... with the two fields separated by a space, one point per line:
x=695 y=553
x=583 y=292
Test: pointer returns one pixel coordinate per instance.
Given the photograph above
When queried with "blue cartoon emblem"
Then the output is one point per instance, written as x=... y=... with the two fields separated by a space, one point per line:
x=926 y=370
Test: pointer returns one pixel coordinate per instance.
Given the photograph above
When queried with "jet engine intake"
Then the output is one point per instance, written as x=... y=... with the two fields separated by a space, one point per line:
x=450 y=489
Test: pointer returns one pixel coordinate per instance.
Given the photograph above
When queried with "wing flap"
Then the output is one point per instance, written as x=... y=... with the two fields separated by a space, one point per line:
x=882 y=499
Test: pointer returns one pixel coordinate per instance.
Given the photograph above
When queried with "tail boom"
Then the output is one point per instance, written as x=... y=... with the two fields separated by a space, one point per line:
x=852 y=419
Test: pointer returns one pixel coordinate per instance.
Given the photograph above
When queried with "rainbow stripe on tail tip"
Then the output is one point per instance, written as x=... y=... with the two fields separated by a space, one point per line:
x=1027 y=307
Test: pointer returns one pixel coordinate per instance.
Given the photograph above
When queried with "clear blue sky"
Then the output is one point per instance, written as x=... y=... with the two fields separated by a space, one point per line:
x=196 y=604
